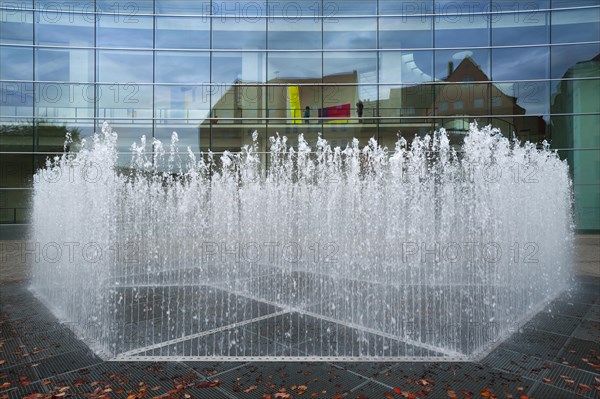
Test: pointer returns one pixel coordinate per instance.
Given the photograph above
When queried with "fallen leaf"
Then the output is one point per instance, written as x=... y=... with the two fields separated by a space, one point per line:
x=397 y=391
x=387 y=395
x=5 y=385
x=452 y=394
x=584 y=387
x=485 y=393
x=250 y=389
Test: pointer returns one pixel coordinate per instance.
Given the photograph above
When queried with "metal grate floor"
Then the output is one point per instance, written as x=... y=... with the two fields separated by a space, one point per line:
x=555 y=355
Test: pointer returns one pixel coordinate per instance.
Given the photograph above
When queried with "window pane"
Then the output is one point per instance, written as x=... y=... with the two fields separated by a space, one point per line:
x=462 y=65
x=17 y=99
x=405 y=100
x=294 y=67
x=566 y=59
x=405 y=32
x=238 y=67
x=182 y=67
x=405 y=7
x=406 y=66
x=236 y=33
x=286 y=34
x=125 y=9
x=350 y=33
x=526 y=98
x=331 y=9
x=125 y=32
x=531 y=6
x=129 y=102
x=62 y=100
x=514 y=29
x=570 y=26
x=183 y=7
x=521 y=63
x=462 y=99
x=294 y=10
x=16 y=26
x=351 y=67
x=453 y=31
x=124 y=66
x=64 y=29
x=183 y=32
x=16 y=63
x=182 y=102
x=64 y=65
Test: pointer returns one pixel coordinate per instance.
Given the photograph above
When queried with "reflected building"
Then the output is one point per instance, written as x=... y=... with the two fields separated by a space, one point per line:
x=215 y=72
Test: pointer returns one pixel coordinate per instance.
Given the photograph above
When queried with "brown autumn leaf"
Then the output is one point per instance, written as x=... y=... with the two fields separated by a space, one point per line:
x=547 y=380
x=388 y=395
x=46 y=382
x=282 y=395
x=485 y=393
x=452 y=394
x=584 y=387
x=524 y=397
x=156 y=388
x=5 y=385
x=397 y=391
x=466 y=393
x=250 y=388
x=2 y=362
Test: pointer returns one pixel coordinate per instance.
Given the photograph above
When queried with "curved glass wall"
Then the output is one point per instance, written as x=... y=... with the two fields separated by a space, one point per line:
x=216 y=71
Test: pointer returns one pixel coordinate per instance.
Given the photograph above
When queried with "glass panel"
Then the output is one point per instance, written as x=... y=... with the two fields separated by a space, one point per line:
x=182 y=67
x=16 y=25
x=295 y=10
x=464 y=100
x=235 y=33
x=17 y=99
x=516 y=29
x=406 y=66
x=237 y=104
x=294 y=67
x=68 y=29
x=118 y=31
x=286 y=34
x=566 y=60
x=450 y=9
x=521 y=63
x=61 y=100
x=572 y=3
x=452 y=31
x=573 y=132
x=125 y=9
x=124 y=66
x=238 y=67
x=405 y=7
x=15 y=135
x=350 y=67
x=182 y=102
x=194 y=7
x=129 y=131
x=350 y=33
x=183 y=32
x=66 y=6
x=16 y=63
x=331 y=9
x=405 y=32
x=521 y=98
x=249 y=10
x=129 y=102
x=396 y=101
x=571 y=26
x=64 y=65
x=529 y=5
x=463 y=65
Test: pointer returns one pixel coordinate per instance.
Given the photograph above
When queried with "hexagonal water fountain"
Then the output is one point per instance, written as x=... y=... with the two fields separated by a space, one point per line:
x=419 y=253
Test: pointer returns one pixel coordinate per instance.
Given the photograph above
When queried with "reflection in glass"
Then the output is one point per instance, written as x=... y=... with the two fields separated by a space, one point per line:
x=124 y=66
x=520 y=29
x=62 y=100
x=396 y=101
x=182 y=67
x=571 y=26
x=406 y=66
x=64 y=65
x=182 y=102
x=521 y=63
x=125 y=32
x=239 y=33
x=407 y=8
x=286 y=34
x=129 y=102
x=462 y=65
x=16 y=26
x=64 y=29
x=469 y=30
x=236 y=67
x=467 y=99
x=183 y=7
x=16 y=99
x=355 y=67
x=350 y=33
x=123 y=9
x=183 y=32
x=16 y=63
x=564 y=58
x=294 y=66
x=405 y=32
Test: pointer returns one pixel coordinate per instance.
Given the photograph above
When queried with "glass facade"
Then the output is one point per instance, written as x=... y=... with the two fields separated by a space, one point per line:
x=216 y=71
